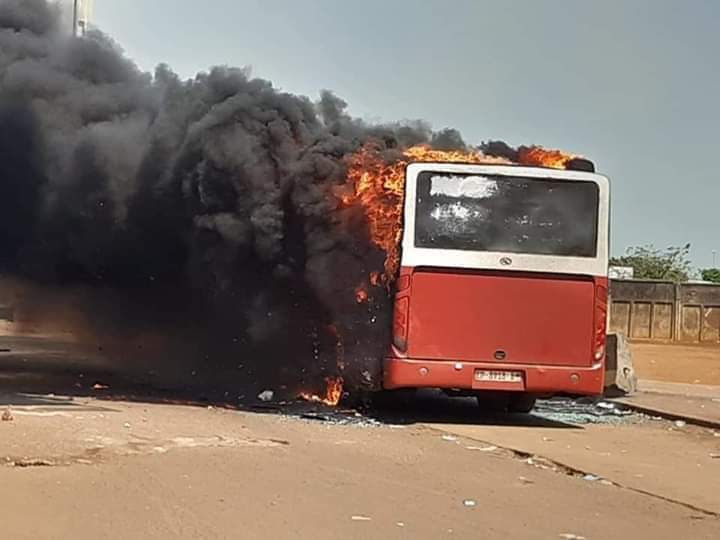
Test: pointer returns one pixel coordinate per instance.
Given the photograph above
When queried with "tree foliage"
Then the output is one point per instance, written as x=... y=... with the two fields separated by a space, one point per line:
x=711 y=274
x=671 y=264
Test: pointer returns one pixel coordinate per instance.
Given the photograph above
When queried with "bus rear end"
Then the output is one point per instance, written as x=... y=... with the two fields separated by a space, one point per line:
x=503 y=282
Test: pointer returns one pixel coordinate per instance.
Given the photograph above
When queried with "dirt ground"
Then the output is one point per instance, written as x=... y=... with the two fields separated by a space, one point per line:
x=86 y=468
x=693 y=364
x=100 y=467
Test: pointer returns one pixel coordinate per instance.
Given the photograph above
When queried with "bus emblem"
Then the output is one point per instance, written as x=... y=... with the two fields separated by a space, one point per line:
x=506 y=261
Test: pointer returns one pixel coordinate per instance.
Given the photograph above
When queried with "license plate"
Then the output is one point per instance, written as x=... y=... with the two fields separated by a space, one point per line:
x=487 y=375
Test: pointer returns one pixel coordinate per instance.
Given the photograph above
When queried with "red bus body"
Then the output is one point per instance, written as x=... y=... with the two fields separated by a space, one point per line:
x=465 y=320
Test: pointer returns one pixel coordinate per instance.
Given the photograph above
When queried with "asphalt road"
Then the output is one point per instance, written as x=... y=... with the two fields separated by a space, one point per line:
x=142 y=460
x=99 y=468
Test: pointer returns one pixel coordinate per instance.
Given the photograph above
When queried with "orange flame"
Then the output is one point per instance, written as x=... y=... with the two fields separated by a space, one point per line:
x=361 y=295
x=542 y=157
x=378 y=186
x=333 y=392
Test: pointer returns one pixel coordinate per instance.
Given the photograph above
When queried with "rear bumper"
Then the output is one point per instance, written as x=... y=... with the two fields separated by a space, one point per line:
x=411 y=373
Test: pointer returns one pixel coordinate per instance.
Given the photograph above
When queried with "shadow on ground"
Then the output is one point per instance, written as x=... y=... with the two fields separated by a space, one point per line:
x=36 y=377
x=434 y=407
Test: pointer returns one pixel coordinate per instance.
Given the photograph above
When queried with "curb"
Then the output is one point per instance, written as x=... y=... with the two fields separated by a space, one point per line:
x=668 y=415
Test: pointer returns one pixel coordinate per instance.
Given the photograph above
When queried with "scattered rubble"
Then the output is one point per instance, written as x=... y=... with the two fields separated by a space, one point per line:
x=7 y=416
x=584 y=411
x=266 y=395
x=490 y=448
x=525 y=480
x=23 y=463
x=337 y=417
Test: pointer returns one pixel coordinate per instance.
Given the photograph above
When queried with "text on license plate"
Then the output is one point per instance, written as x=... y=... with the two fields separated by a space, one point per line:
x=498 y=376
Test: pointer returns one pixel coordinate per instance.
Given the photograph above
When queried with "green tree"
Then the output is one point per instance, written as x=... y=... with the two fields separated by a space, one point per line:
x=711 y=274
x=648 y=262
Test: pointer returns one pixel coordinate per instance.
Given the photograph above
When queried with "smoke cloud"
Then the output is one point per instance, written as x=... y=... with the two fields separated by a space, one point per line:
x=197 y=214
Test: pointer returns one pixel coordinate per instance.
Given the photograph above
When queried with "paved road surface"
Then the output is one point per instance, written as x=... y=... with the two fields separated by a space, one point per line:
x=88 y=468
x=696 y=403
x=82 y=467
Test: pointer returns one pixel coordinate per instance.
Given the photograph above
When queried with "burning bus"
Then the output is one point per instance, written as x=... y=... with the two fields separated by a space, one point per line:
x=501 y=280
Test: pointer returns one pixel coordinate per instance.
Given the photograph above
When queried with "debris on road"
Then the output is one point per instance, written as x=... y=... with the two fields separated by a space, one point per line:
x=7 y=416
x=490 y=448
x=584 y=411
x=525 y=480
x=23 y=463
x=266 y=395
x=680 y=423
x=605 y=405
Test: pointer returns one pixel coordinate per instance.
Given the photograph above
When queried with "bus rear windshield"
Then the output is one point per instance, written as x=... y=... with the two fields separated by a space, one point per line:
x=506 y=214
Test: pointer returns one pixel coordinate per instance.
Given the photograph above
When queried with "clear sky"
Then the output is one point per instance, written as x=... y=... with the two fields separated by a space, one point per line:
x=632 y=84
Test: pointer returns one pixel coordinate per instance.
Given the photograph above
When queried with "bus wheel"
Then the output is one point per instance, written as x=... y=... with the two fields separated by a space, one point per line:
x=521 y=403
x=393 y=399
x=492 y=402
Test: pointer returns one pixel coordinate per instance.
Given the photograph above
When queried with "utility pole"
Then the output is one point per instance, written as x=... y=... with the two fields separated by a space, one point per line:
x=75 y=18
x=82 y=13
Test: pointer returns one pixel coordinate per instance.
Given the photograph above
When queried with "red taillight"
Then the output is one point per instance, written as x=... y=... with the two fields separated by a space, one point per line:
x=601 y=295
x=401 y=322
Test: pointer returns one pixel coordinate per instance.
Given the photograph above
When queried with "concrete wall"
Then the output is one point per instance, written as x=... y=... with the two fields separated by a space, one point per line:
x=665 y=311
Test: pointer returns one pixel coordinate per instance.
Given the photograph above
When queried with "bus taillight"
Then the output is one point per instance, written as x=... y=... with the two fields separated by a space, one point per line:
x=601 y=295
x=401 y=322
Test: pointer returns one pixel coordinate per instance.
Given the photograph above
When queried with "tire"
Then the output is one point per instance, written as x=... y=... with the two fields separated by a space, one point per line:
x=492 y=402
x=393 y=399
x=521 y=403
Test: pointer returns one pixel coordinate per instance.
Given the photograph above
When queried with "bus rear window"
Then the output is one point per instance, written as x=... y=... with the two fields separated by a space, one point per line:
x=506 y=214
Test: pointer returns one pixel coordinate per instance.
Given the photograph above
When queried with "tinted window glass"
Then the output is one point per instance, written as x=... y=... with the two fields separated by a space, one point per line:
x=506 y=214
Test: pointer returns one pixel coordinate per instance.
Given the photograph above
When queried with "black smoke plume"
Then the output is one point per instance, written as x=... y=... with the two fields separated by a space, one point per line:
x=192 y=222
